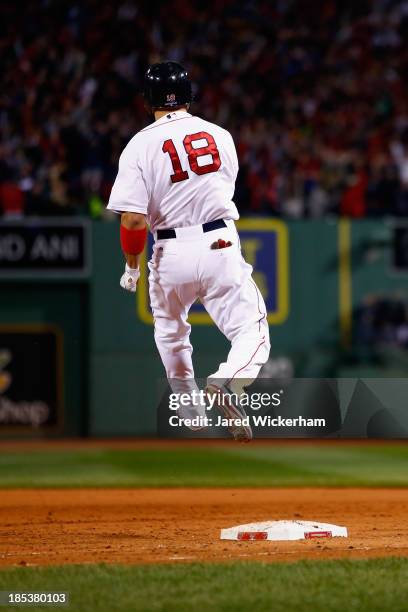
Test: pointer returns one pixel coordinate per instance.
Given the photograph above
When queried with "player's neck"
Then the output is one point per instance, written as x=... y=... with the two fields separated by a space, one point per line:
x=161 y=113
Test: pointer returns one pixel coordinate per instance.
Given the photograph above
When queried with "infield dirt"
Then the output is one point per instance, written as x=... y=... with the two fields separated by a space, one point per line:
x=53 y=527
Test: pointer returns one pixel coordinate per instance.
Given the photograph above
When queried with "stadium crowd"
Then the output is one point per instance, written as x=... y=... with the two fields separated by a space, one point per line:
x=315 y=94
x=382 y=321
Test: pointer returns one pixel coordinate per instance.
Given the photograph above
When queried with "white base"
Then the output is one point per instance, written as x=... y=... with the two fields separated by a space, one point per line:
x=283 y=530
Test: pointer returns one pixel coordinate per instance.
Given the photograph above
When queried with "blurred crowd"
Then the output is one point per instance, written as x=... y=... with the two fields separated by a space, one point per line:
x=382 y=321
x=314 y=92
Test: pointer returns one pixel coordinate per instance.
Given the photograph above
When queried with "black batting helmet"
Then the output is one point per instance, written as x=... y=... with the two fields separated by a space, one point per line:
x=167 y=85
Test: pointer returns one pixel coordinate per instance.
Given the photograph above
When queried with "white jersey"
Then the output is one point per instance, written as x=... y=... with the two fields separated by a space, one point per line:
x=179 y=171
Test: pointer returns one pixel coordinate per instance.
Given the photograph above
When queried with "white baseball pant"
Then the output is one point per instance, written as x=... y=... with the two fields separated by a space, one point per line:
x=185 y=268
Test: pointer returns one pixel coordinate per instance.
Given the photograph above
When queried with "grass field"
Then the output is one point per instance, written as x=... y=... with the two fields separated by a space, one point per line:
x=363 y=586
x=239 y=466
x=358 y=585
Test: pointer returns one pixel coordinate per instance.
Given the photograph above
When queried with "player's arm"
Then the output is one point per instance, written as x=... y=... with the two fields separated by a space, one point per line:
x=130 y=199
x=133 y=232
x=234 y=157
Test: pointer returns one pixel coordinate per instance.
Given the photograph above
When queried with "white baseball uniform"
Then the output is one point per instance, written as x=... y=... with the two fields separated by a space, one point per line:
x=180 y=172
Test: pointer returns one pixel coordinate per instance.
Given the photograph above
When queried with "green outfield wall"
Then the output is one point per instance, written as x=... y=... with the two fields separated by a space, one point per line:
x=313 y=275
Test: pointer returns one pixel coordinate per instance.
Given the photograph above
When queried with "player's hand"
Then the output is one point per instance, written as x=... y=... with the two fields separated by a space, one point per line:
x=129 y=279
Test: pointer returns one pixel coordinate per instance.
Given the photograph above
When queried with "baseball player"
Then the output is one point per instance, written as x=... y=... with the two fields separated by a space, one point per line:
x=178 y=176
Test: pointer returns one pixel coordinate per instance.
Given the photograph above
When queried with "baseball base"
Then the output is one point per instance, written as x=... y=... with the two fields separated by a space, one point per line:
x=283 y=530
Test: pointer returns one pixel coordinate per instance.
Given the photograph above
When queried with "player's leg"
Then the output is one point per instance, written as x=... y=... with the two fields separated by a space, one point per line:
x=236 y=305
x=171 y=298
x=170 y=302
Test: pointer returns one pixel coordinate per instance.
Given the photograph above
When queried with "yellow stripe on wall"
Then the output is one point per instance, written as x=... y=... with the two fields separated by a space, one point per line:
x=345 y=288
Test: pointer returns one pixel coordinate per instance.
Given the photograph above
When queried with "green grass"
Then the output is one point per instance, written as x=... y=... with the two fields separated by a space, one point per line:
x=319 y=586
x=239 y=466
x=369 y=585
